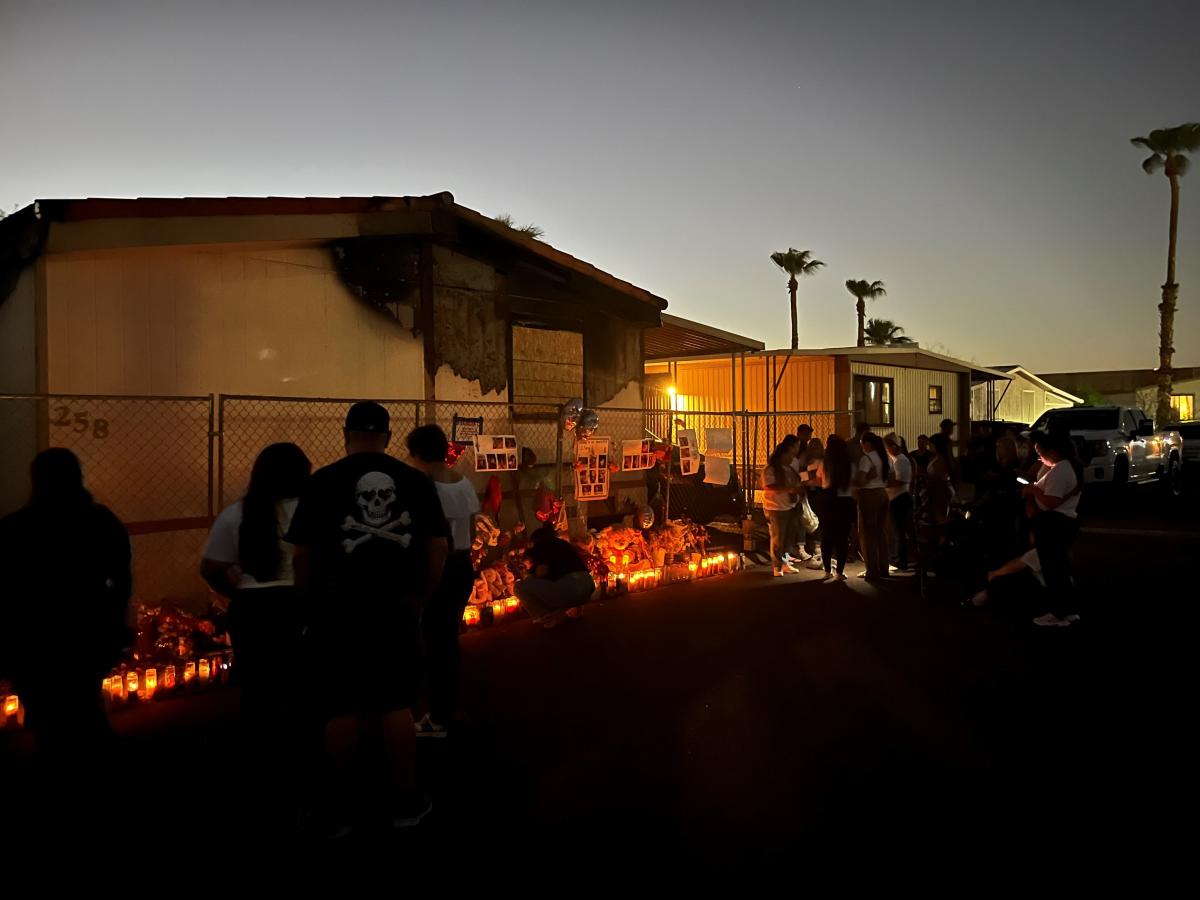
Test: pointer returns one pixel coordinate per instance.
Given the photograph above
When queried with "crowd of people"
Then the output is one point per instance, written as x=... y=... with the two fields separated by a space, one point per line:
x=365 y=564
x=1024 y=489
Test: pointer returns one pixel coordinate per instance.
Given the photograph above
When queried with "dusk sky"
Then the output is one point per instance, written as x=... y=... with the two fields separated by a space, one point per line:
x=974 y=156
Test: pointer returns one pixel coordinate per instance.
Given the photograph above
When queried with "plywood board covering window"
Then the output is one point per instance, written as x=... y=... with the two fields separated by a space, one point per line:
x=547 y=365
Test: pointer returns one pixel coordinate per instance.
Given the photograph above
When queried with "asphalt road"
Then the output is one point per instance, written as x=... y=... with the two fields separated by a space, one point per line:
x=745 y=718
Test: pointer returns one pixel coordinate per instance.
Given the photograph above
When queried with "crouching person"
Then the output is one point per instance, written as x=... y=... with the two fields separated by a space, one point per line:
x=559 y=583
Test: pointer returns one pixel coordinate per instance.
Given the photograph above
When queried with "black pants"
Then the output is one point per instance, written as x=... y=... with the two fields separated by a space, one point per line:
x=440 y=622
x=1053 y=535
x=835 y=529
x=266 y=626
x=901 y=511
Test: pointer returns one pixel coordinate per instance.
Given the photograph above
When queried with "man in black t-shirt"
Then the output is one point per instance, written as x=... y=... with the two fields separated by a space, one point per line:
x=370 y=541
x=560 y=582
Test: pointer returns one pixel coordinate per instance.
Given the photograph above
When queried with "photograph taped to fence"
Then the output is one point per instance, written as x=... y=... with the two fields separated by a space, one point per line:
x=496 y=453
x=636 y=455
x=689 y=451
x=591 y=469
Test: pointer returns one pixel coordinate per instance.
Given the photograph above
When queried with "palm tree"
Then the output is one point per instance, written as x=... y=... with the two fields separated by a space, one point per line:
x=864 y=290
x=1168 y=148
x=882 y=332
x=530 y=230
x=797 y=263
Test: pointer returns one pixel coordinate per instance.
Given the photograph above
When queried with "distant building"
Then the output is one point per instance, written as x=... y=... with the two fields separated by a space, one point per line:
x=1022 y=398
x=1133 y=387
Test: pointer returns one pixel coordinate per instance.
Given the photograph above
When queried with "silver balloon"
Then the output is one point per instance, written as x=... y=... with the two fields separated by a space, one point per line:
x=646 y=518
x=570 y=413
x=589 y=421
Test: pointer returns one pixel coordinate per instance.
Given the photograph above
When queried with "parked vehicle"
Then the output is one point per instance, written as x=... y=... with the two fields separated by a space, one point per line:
x=1118 y=445
x=1190 y=432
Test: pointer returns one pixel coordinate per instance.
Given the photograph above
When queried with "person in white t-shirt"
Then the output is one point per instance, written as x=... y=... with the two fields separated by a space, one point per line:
x=247 y=560
x=440 y=620
x=781 y=494
x=871 y=478
x=1056 y=523
x=900 y=501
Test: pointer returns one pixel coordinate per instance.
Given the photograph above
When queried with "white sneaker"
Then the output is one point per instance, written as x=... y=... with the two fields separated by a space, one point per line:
x=788 y=569
x=427 y=728
x=892 y=570
x=814 y=563
x=1050 y=620
x=776 y=573
x=804 y=556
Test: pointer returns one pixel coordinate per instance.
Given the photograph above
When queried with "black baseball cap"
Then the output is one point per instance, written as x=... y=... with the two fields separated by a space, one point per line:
x=368 y=416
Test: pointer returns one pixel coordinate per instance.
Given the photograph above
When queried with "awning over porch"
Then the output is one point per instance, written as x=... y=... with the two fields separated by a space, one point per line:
x=680 y=338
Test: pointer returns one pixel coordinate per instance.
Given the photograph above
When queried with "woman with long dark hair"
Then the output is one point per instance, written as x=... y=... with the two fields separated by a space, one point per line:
x=442 y=615
x=247 y=560
x=781 y=493
x=872 y=477
x=838 y=513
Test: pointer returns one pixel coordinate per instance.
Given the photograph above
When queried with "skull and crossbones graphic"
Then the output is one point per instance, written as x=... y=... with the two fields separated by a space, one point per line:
x=375 y=495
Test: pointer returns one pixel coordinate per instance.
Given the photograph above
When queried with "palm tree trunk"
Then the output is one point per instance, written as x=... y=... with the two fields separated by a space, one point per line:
x=1166 y=310
x=792 y=285
x=862 y=318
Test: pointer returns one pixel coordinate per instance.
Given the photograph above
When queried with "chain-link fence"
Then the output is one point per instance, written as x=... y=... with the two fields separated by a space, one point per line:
x=165 y=465
x=149 y=459
x=247 y=424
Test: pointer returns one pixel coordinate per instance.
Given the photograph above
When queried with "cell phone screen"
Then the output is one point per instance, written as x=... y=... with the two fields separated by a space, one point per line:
x=1022 y=480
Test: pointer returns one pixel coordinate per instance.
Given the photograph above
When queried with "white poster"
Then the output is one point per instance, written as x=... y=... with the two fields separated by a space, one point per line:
x=718 y=440
x=591 y=469
x=496 y=453
x=689 y=451
x=636 y=455
x=716 y=470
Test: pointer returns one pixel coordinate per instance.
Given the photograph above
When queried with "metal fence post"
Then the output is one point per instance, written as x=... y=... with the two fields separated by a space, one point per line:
x=220 y=438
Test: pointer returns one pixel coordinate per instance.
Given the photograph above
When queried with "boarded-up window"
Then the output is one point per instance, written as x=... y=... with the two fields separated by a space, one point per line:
x=547 y=365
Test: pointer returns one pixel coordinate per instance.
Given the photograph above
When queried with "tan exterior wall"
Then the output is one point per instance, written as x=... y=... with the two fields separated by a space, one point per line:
x=198 y=321
x=1023 y=400
x=805 y=384
x=18 y=336
x=18 y=375
x=912 y=416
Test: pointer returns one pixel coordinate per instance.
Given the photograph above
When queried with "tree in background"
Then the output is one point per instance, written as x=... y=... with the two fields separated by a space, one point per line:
x=1168 y=151
x=882 y=332
x=529 y=230
x=797 y=264
x=864 y=291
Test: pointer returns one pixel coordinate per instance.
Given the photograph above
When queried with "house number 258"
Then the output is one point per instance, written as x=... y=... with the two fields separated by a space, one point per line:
x=79 y=421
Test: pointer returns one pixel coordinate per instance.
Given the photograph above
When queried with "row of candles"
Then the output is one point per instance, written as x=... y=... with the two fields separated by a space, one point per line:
x=143 y=684
x=508 y=606
x=699 y=566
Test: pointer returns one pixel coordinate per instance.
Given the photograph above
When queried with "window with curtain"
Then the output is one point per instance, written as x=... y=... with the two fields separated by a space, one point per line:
x=935 y=399
x=874 y=400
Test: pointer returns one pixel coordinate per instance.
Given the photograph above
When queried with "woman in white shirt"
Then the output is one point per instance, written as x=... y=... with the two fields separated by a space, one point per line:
x=247 y=560
x=900 y=500
x=1056 y=523
x=871 y=479
x=442 y=616
x=781 y=493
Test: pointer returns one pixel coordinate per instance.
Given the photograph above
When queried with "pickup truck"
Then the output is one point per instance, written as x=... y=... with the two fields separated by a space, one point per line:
x=1118 y=445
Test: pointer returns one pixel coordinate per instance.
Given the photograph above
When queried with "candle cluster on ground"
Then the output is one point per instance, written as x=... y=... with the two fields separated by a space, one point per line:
x=626 y=574
x=145 y=683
